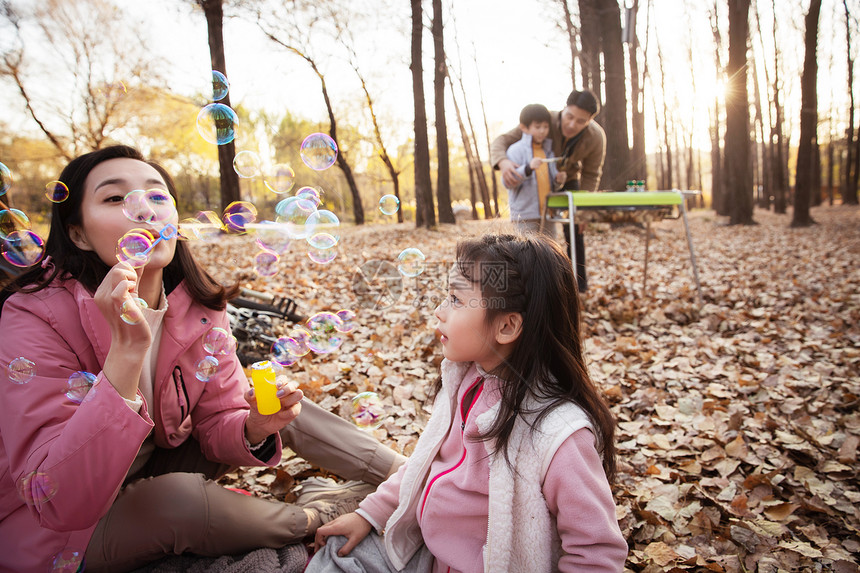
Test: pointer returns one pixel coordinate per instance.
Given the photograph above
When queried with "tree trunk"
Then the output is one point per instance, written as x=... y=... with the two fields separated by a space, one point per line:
x=214 y=12
x=613 y=114
x=780 y=154
x=443 y=177
x=425 y=216
x=849 y=194
x=718 y=192
x=856 y=171
x=382 y=150
x=638 y=164
x=737 y=139
x=572 y=35
x=467 y=147
x=760 y=145
x=666 y=180
x=342 y=163
x=487 y=137
x=805 y=178
x=589 y=54
x=817 y=185
x=830 y=171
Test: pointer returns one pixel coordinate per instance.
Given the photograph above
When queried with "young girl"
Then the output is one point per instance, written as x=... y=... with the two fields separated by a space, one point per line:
x=511 y=471
x=74 y=446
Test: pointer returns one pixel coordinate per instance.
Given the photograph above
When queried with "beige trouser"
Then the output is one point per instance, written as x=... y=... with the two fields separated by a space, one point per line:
x=176 y=507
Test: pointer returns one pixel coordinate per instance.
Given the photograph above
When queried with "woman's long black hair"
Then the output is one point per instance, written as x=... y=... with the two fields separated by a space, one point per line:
x=67 y=260
x=532 y=276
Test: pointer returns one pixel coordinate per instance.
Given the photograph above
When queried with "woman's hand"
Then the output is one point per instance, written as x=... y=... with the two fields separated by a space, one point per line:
x=119 y=286
x=259 y=426
x=352 y=526
x=129 y=342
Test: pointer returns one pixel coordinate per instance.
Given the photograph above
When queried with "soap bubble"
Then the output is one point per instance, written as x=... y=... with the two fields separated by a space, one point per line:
x=272 y=237
x=310 y=194
x=206 y=368
x=293 y=212
x=12 y=220
x=410 y=262
x=130 y=311
x=206 y=226
x=322 y=227
x=220 y=85
x=21 y=370
x=67 y=561
x=389 y=204
x=322 y=256
x=368 y=410
x=219 y=342
x=281 y=352
x=247 y=164
x=238 y=214
x=324 y=334
x=216 y=123
x=188 y=229
x=79 y=385
x=56 y=191
x=347 y=317
x=280 y=179
x=266 y=263
x=135 y=247
x=5 y=179
x=36 y=488
x=152 y=206
x=296 y=341
x=318 y=151
x=23 y=248
x=322 y=241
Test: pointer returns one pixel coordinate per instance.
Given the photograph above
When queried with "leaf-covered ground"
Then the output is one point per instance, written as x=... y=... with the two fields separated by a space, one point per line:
x=738 y=423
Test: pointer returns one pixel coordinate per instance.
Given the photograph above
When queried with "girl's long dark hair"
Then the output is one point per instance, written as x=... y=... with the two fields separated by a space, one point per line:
x=86 y=266
x=532 y=276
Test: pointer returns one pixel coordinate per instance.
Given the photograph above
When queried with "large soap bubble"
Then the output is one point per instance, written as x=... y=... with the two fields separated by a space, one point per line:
x=216 y=123
x=220 y=85
x=318 y=151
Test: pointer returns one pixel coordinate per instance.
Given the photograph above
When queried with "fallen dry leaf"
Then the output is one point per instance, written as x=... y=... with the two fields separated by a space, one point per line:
x=738 y=424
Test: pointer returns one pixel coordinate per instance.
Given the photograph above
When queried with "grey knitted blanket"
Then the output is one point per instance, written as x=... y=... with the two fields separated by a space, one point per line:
x=288 y=559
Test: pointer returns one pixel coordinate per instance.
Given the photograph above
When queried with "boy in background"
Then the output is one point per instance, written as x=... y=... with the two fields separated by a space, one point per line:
x=533 y=153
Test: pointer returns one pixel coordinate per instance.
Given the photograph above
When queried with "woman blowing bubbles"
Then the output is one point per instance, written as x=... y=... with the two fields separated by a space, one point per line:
x=70 y=466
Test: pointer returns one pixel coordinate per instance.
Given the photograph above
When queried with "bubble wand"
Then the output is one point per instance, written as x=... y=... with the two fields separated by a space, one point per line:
x=129 y=311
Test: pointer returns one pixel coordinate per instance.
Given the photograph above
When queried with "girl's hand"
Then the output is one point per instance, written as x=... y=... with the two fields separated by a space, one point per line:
x=259 y=426
x=351 y=525
x=118 y=286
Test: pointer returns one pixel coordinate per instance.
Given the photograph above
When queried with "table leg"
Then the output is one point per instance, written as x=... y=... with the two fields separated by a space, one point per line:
x=692 y=254
x=645 y=270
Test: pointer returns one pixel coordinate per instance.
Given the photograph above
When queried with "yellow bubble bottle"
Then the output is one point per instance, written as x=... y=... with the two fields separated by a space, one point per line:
x=263 y=378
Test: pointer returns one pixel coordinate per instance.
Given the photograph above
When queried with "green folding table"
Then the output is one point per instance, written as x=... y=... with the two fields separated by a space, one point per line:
x=562 y=208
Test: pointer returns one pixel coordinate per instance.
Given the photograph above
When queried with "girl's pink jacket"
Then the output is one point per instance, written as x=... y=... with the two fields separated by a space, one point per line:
x=63 y=463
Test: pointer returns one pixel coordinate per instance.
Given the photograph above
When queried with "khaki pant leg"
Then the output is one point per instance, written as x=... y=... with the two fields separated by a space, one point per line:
x=181 y=512
x=328 y=441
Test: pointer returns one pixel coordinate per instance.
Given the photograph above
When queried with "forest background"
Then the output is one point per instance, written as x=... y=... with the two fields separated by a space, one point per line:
x=696 y=95
x=738 y=412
